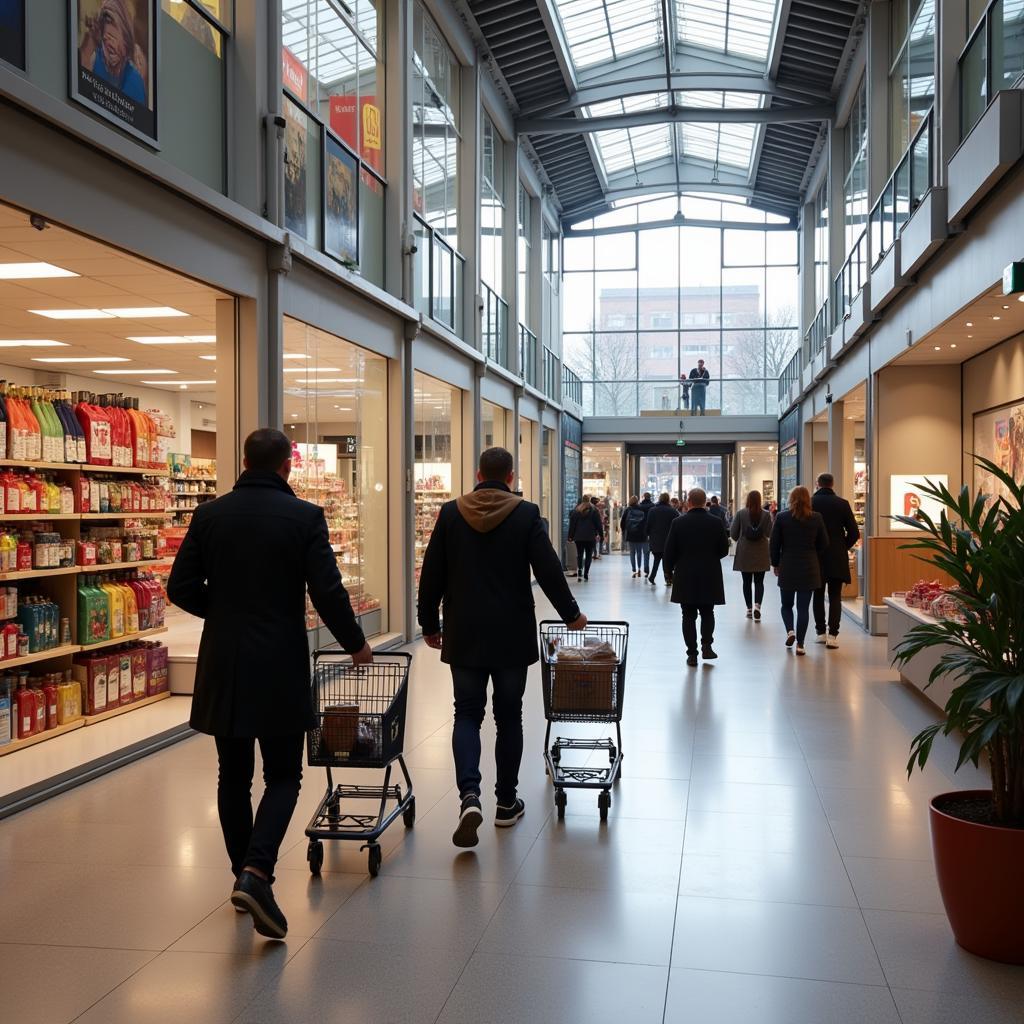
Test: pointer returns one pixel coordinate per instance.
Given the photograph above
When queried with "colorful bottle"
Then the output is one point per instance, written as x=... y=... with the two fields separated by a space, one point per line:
x=3 y=433
x=97 y=429
x=116 y=599
x=131 y=607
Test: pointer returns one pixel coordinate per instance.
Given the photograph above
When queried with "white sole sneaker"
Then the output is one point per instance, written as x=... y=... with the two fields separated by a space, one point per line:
x=820 y=638
x=470 y=821
x=832 y=643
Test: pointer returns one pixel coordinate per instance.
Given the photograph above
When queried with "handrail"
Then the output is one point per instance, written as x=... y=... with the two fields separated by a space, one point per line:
x=850 y=279
x=814 y=338
x=994 y=78
x=494 y=325
x=552 y=378
x=527 y=355
x=572 y=386
x=789 y=376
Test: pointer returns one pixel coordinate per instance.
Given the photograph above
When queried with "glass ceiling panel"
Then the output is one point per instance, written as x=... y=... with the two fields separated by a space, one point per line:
x=625 y=148
x=603 y=30
x=742 y=28
x=730 y=145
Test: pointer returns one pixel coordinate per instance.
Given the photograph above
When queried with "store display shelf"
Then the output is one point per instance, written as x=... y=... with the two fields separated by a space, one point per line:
x=33 y=517
x=81 y=467
x=114 y=641
x=125 y=708
x=132 y=470
x=33 y=574
x=31 y=741
x=106 y=566
x=39 y=464
x=182 y=508
x=441 y=494
x=194 y=479
x=29 y=659
x=116 y=515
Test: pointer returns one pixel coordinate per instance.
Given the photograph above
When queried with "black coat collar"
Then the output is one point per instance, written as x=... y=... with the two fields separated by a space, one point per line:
x=263 y=478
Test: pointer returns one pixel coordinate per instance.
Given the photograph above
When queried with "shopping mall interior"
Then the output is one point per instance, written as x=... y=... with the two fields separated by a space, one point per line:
x=646 y=247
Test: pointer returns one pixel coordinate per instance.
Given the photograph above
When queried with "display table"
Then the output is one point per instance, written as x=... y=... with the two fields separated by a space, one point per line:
x=903 y=618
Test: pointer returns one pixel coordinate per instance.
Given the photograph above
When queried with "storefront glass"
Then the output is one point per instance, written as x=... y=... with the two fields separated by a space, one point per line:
x=335 y=403
x=525 y=469
x=437 y=455
x=546 y=472
x=602 y=476
x=757 y=468
x=494 y=426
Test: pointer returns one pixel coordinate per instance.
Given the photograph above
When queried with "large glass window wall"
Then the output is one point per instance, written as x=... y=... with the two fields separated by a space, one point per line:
x=642 y=305
x=993 y=58
x=912 y=72
x=855 y=180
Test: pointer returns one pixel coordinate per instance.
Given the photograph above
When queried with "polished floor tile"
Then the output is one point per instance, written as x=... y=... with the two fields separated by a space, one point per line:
x=884 y=884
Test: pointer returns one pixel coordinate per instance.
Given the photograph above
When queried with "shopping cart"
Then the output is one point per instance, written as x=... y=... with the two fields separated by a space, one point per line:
x=360 y=723
x=584 y=675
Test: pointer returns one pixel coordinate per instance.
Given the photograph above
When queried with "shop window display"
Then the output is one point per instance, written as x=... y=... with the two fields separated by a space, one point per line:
x=525 y=468
x=335 y=400
x=494 y=426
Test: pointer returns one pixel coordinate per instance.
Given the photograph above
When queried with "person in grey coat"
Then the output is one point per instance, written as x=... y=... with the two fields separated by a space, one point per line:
x=751 y=529
x=799 y=542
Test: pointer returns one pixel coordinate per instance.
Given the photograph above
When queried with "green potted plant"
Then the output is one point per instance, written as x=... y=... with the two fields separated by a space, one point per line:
x=978 y=835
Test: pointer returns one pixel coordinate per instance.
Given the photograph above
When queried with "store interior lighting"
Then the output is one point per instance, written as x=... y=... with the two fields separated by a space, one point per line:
x=80 y=359
x=122 y=313
x=32 y=343
x=133 y=373
x=180 y=339
x=32 y=271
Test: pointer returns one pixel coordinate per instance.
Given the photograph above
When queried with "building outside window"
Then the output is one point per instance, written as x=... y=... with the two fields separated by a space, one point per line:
x=524 y=254
x=855 y=170
x=821 y=245
x=911 y=73
x=993 y=58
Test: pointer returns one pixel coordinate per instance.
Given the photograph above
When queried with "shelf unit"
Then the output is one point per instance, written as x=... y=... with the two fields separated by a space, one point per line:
x=31 y=741
x=114 y=641
x=122 y=709
x=82 y=467
x=34 y=517
x=94 y=516
x=32 y=574
x=47 y=655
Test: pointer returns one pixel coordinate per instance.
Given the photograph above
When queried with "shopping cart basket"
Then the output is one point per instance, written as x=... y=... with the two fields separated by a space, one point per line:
x=583 y=674
x=360 y=723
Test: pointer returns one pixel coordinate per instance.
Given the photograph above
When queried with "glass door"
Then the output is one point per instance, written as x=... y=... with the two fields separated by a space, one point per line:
x=676 y=474
x=659 y=473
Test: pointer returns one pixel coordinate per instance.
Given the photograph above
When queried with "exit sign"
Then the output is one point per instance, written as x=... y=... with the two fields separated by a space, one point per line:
x=1013 y=278
x=680 y=443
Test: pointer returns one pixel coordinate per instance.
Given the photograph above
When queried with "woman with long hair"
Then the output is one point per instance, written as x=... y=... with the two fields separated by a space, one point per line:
x=585 y=529
x=799 y=540
x=634 y=531
x=751 y=529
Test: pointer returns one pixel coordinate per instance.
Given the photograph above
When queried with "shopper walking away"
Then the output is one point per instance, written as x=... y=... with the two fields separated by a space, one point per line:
x=633 y=525
x=751 y=529
x=598 y=508
x=659 y=522
x=244 y=567
x=646 y=504
x=693 y=559
x=478 y=565
x=715 y=508
x=585 y=530
x=843 y=534
x=798 y=543
x=700 y=377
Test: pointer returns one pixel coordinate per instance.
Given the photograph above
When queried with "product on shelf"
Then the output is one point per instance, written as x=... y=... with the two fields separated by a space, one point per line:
x=39 y=618
x=923 y=593
x=121 y=675
x=37 y=703
x=30 y=493
x=106 y=545
x=100 y=494
x=112 y=605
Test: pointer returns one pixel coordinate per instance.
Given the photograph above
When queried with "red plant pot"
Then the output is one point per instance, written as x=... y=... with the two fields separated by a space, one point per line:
x=979 y=870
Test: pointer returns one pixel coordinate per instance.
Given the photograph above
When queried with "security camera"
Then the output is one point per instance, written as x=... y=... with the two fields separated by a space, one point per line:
x=38 y=222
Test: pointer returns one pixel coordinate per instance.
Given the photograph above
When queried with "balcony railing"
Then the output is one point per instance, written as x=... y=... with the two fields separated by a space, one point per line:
x=437 y=278
x=789 y=376
x=817 y=333
x=993 y=59
x=850 y=280
x=572 y=386
x=551 y=376
x=528 y=355
x=494 y=325
x=903 y=192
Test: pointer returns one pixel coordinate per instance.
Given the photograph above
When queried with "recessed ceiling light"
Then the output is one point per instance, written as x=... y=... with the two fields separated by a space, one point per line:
x=177 y=339
x=80 y=359
x=73 y=314
x=1006 y=307
x=180 y=382
x=334 y=380
x=938 y=348
x=32 y=343
x=970 y=335
x=295 y=415
x=969 y=323
x=135 y=372
x=210 y=359
x=952 y=344
x=294 y=355
x=144 y=312
x=997 y=318
x=31 y=271
x=312 y=369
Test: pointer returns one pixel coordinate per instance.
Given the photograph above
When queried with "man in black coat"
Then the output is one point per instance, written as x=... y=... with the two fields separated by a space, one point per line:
x=244 y=567
x=693 y=559
x=715 y=508
x=478 y=566
x=659 y=522
x=843 y=534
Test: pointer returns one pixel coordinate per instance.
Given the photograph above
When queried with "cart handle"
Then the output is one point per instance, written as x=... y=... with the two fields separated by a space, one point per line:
x=335 y=651
x=590 y=622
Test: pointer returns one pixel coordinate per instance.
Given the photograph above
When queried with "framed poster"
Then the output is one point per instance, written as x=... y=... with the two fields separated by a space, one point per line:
x=296 y=127
x=999 y=437
x=906 y=497
x=12 y=32
x=113 y=52
x=341 y=202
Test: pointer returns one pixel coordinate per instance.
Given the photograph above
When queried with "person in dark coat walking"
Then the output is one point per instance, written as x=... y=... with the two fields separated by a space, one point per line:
x=585 y=529
x=799 y=542
x=633 y=527
x=751 y=529
x=693 y=559
x=715 y=508
x=659 y=522
x=843 y=534
x=244 y=567
x=478 y=565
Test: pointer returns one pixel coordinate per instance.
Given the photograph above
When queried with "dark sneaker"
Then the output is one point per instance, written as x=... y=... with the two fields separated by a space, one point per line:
x=757 y=613
x=790 y=638
x=256 y=898
x=470 y=819
x=708 y=654
x=691 y=660
x=506 y=817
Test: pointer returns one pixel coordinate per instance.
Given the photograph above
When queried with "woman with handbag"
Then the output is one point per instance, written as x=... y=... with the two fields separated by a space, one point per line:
x=751 y=529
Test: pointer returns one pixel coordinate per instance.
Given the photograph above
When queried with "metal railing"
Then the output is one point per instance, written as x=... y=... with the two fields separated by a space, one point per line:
x=993 y=59
x=552 y=378
x=494 y=325
x=903 y=192
x=789 y=376
x=437 y=277
x=850 y=280
x=528 y=355
x=572 y=386
x=817 y=333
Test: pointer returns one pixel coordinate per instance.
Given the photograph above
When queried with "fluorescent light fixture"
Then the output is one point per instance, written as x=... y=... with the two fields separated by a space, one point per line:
x=145 y=312
x=32 y=271
x=135 y=372
x=176 y=339
x=80 y=359
x=183 y=383
x=211 y=359
x=73 y=314
x=32 y=343
x=312 y=369
x=299 y=355
x=326 y=380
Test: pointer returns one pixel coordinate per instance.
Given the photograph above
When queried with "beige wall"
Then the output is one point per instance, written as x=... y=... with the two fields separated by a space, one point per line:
x=994 y=378
x=919 y=428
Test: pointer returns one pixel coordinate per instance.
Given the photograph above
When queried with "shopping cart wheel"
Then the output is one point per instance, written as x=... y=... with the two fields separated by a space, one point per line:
x=604 y=801
x=315 y=856
x=560 y=801
x=373 y=860
x=409 y=814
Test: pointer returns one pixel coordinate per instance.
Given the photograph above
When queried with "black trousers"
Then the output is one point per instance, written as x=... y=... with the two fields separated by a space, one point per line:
x=470 y=705
x=584 y=556
x=753 y=588
x=835 y=607
x=707 y=626
x=803 y=605
x=249 y=842
x=657 y=556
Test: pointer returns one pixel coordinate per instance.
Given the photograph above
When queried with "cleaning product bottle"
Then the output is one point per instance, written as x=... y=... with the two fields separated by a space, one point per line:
x=35 y=433
x=54 y=426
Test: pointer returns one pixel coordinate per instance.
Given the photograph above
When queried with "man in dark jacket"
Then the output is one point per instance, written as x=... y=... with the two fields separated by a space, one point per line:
x=700 y=378
x=715 y=508
x=693 y=559
x=843 y=534
x=478 y=565
x=659 y=521
x=244 y=567
x=645 y=506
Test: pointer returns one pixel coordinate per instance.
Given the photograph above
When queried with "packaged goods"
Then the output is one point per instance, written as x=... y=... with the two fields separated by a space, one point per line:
x=6 y=712
x=90 y=672
x=338 y=730
x=26 y=708
x=139 y=663
x=93 y=612
x=125 y=669
x=583 y=678
x=49 y=689
x=156 y=667
x=69 y=699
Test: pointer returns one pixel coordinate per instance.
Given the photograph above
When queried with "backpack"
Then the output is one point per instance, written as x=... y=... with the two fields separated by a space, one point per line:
x=753 y=532
x=634 y=519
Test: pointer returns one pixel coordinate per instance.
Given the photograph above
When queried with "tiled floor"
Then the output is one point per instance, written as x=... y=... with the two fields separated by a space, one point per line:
x=766 y=861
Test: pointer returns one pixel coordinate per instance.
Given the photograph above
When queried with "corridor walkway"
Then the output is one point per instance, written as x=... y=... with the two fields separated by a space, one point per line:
x=766 y=861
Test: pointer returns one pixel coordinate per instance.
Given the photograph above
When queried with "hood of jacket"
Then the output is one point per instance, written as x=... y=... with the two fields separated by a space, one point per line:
x=488 y=506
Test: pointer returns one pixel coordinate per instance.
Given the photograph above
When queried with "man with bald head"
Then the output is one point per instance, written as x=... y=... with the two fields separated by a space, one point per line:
x=697 y=543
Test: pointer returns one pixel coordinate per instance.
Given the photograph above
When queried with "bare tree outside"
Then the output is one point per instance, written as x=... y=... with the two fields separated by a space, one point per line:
x=610 y=364
x=756 y=356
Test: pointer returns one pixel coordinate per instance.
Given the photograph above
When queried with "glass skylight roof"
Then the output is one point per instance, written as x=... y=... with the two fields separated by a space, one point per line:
x=602 y=30
x=742 y=28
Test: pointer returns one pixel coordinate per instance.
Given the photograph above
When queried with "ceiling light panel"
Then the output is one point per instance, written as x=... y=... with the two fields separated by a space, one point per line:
x=180 y=383
x=80 y=359
x=32 y=271
x=135 y=373
x=73 y=314
x=145 y=312
x=175 y=339
x=32 y=343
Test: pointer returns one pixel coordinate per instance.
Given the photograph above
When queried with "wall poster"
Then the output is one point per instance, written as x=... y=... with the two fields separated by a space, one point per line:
x=113 y=55
x=12 y=32
x=906 y=497
x=999 y=437
x=341 y=205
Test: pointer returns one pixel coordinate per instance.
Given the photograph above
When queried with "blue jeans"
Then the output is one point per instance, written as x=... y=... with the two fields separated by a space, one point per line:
x=803 y=614
x=640 y=556
x=700 y=397
x=507 y=706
